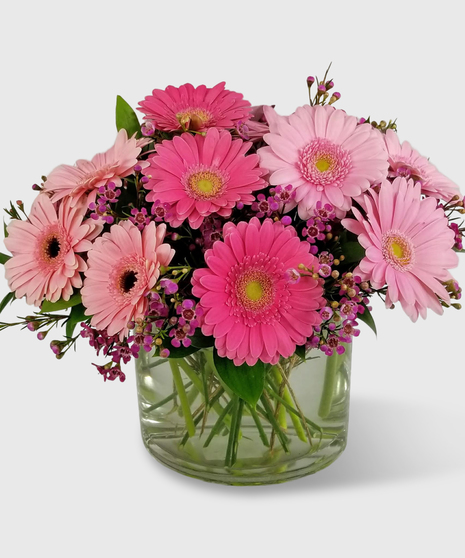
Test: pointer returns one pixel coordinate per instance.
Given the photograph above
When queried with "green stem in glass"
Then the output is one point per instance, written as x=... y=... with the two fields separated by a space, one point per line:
x=190 y=426
x=164 y=401
x=332 y=367
x=259 y=425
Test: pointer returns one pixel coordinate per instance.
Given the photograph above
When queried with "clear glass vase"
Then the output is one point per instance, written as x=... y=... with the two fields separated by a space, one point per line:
x=192 y=423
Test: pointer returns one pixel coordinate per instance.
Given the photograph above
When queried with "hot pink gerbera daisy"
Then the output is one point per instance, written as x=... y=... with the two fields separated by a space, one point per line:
x=124 y=264
x=45 y=263
x=324 y=154
x=407 y=162
x=408 y=246
x=86 y=177
x=189 y=108
x=200 y=175
x=253 y=306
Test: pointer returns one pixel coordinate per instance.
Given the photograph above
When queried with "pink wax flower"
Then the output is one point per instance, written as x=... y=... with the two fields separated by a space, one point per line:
x=45 y=262
x=86 y=177
x=408 y=246
x=200 y=175
x=189 y=108
x=250 y=306
x=325 y=155
x=407 y=162
x=124 y=265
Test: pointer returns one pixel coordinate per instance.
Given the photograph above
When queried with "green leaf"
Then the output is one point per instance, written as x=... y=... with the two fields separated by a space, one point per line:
x=76 y=316
x=353 y=252
x=181 y=352
x=245 y=381
x=202 y=341
x=4 y=258
x=367 y=318
x=300 y=351
x=126 y=118
x=60 y=304
x=9 y=298
x=5 y=230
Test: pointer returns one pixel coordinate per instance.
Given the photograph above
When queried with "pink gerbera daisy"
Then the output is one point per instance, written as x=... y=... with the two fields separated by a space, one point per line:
x=324 y=154
x=124 y=265
x=407 y=162
x=86 y=177
x=253 y=306
x=189 y=108
x=408 y=246
x=45 y=263
x=200 y=175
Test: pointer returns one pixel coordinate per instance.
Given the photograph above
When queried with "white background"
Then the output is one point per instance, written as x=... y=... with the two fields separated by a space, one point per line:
x=75 y=479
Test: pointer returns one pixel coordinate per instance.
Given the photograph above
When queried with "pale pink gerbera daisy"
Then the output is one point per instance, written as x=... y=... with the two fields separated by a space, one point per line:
x=200 y=175
x=407 y=162
x=253 y=305
x=189 y=108
x=408 y=246
x=86 y=177
x=124 y=265
x=324 y=154
x=45 y=263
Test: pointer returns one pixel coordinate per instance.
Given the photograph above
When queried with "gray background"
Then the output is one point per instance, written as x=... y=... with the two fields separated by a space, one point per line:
x=75 y=479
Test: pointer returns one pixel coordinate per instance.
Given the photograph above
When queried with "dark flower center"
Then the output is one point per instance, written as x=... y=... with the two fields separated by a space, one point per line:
x=53 y=248
x=128 y=280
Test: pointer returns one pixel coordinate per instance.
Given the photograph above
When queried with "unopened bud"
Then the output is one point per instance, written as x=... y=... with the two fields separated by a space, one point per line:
x=335 y=274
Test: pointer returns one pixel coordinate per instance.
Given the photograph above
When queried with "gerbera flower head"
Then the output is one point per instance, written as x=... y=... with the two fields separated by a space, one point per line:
x=45 y=262
x=86 y=177
x=189 y=108
x=407 y=162
x=325 y=154
x=200 y=175
x=252 y=305
x=124 y=265
x=408 y=246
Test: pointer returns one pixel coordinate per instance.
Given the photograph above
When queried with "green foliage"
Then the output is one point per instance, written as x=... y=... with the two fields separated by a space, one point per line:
x=181 y=352
x=60 y=304
x=76 y=316
x=201 y=341
x=353 y=252
x=126 y=118
x=4 y=258
x=367 y=318
x=245 y=381
x=300 y=351
x=8 y=298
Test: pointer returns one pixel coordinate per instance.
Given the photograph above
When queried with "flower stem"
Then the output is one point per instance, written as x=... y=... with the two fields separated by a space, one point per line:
x=163 y=401
x=182 y=397
x=332 y=367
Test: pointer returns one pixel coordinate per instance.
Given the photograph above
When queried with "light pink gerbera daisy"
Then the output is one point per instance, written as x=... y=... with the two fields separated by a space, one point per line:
x=86 y=177
x=189 y=108
x=253 y=305
x=124 y=264
x=408 y=246
x=324 y=154
x=407 y=162
x=200 y=175
x=45 y=263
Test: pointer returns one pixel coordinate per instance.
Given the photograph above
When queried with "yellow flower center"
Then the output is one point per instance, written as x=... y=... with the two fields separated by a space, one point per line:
x=193 y=118
x=397 y=250
x=254 y=290
x=204 y=183
x=322 y=164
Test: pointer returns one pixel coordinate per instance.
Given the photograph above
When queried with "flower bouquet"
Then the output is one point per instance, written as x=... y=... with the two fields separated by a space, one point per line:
x=233 y=252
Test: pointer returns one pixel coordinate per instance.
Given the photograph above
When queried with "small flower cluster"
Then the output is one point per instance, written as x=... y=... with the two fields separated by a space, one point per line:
x=102 y=207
